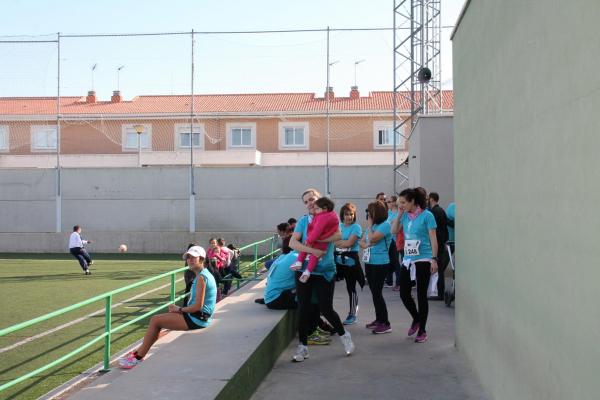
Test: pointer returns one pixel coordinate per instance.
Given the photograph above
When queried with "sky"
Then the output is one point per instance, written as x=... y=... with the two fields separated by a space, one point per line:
x=248 y=63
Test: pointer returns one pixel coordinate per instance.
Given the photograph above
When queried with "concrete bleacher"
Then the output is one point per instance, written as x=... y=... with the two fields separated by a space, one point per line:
x=226 y=361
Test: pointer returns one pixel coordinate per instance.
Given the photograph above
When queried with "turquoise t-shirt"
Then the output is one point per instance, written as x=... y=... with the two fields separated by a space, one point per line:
x=391 y=216
x=450 y=215
x=326 y=265
x=348 y=231
x=280 y=276
x=418 y=230
x=380 y=250
x=210 y=297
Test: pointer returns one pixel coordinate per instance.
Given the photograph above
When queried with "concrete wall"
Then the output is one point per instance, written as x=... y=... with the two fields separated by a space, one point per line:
x=431 y=156
x=148 y=208
x=527 y=94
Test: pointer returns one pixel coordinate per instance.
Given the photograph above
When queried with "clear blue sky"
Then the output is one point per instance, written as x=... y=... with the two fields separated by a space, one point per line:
x=224 y=64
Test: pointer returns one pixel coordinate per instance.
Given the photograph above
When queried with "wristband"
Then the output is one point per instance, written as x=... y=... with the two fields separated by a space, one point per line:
x=434 y=258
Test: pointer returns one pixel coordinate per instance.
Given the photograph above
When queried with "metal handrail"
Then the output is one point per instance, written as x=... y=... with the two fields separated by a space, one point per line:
x=107 y=297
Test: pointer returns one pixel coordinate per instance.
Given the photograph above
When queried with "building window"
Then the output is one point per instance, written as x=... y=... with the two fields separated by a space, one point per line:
x=383 y=137
x=182 y=136
x=43 y=138
x=293 y=135
x=4 y=146
x=130 y=137
x=241 y=136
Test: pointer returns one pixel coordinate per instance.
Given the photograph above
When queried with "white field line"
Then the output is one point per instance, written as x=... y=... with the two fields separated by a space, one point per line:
x=78 y=320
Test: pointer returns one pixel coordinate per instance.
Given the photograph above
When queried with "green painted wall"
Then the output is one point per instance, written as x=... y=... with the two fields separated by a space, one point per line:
x=527 y=173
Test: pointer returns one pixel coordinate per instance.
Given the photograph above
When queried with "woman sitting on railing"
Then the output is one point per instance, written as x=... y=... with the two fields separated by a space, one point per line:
x=196 y=315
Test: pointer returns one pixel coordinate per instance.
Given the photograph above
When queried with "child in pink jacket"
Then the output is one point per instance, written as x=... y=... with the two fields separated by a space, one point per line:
x=324 y=224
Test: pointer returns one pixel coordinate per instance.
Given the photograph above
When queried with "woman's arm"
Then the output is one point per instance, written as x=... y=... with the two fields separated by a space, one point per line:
x=199 y=303
x=348 y=242
x=296 y=245
x=375 y=236
x=434 y=250
x=396 y=225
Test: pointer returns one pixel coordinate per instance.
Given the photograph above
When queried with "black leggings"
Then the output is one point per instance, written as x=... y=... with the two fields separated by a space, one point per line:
x=285 y=301
x=376 y=275
x=423 y=272
x=394 y=265
x=324 y=291
x=350 y=286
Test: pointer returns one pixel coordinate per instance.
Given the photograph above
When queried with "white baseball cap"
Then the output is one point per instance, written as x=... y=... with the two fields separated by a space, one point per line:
x=195 y=251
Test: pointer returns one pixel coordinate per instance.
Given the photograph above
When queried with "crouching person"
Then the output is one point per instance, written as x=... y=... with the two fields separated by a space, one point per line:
x=196 y=315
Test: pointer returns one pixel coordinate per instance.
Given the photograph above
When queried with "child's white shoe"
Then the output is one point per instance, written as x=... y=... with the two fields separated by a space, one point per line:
x=304 y=277
x=297 y=266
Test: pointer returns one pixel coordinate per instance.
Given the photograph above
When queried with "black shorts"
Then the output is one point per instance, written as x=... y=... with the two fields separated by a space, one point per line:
x=191 y=324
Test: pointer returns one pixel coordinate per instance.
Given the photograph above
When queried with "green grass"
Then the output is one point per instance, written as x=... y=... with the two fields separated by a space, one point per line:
x=41 y=283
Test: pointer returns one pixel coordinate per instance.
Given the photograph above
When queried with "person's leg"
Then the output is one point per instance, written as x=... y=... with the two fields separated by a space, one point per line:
x=400 y=255
x=285 y=301
x=423 y=275
x=351 y=288
x=405 y=294
x=172 y=321
x=325 y=291
x=304 y=293
x=75 y=252
x=393 y=255
x=86 y=256
x=442 y=264
x=378 y=276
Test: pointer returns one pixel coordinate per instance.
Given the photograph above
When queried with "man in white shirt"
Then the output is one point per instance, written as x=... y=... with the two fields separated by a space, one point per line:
x=78 y=251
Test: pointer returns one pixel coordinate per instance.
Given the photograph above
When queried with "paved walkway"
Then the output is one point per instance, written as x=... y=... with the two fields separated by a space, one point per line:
x=388 y=366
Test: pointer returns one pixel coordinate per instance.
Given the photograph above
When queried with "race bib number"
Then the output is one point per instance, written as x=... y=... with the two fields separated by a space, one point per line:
x=411 y=248
x=366 y=255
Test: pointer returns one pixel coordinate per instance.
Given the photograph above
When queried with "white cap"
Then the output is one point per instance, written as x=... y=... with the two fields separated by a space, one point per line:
x=195 y=251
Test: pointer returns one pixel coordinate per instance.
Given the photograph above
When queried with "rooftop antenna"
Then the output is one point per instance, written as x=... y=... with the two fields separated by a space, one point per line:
x=355 y=65
x=93 y=69
x=119 y=77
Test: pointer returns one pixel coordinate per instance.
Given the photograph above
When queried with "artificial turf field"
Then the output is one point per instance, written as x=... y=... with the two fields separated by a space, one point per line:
x=34 y=285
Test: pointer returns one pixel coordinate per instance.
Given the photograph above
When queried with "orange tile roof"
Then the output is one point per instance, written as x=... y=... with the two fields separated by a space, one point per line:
x=220 y=103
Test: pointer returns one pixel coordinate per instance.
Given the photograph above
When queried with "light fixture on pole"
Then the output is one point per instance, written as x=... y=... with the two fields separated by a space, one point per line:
x=139 y=129
x=355 y=64
x=119 y=77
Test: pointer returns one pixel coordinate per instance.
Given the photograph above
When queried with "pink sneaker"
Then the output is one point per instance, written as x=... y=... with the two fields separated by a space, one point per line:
x=371 y=325
x=413 y=329
x=421 y=338
x=129 y=361
x=382 y=328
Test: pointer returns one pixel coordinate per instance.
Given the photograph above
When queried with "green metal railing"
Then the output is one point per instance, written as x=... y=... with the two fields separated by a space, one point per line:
x=108 y=299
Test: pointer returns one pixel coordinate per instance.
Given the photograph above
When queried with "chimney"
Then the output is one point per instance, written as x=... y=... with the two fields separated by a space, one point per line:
x=116 y=96
x=329 y=93
x=91 y=97
x=354 y=93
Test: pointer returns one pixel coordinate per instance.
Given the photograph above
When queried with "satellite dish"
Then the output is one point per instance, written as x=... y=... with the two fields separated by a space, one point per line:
x=424 y=75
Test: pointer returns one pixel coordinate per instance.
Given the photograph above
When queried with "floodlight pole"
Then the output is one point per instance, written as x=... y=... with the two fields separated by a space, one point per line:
x=58 y=191
x=192 y=212
x=327 y=188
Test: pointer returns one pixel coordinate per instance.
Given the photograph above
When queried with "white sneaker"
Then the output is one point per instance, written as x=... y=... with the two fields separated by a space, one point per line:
x=301 y=353
x=347 y=342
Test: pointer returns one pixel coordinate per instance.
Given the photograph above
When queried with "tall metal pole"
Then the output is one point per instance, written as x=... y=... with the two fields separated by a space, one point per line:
x=395 y=129
x=58 y=191
x=192 y=211
x=327 y=188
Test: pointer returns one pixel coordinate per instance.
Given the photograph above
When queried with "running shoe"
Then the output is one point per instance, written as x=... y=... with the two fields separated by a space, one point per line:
x=316 y=339
x=382 y=328
x=297 y=266
x=421 y=337
x=87 y=272
x=322 y=332
x=301 y=353
x=350 y=320
x=347 y=342
x=129 y=361
x=388 y=285
x=414 y=327
x=396 y=288
x=371 y=325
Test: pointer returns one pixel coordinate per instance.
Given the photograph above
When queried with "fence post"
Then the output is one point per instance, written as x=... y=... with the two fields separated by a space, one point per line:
x=255 y=259
x=107 y=329
x=173 y=287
